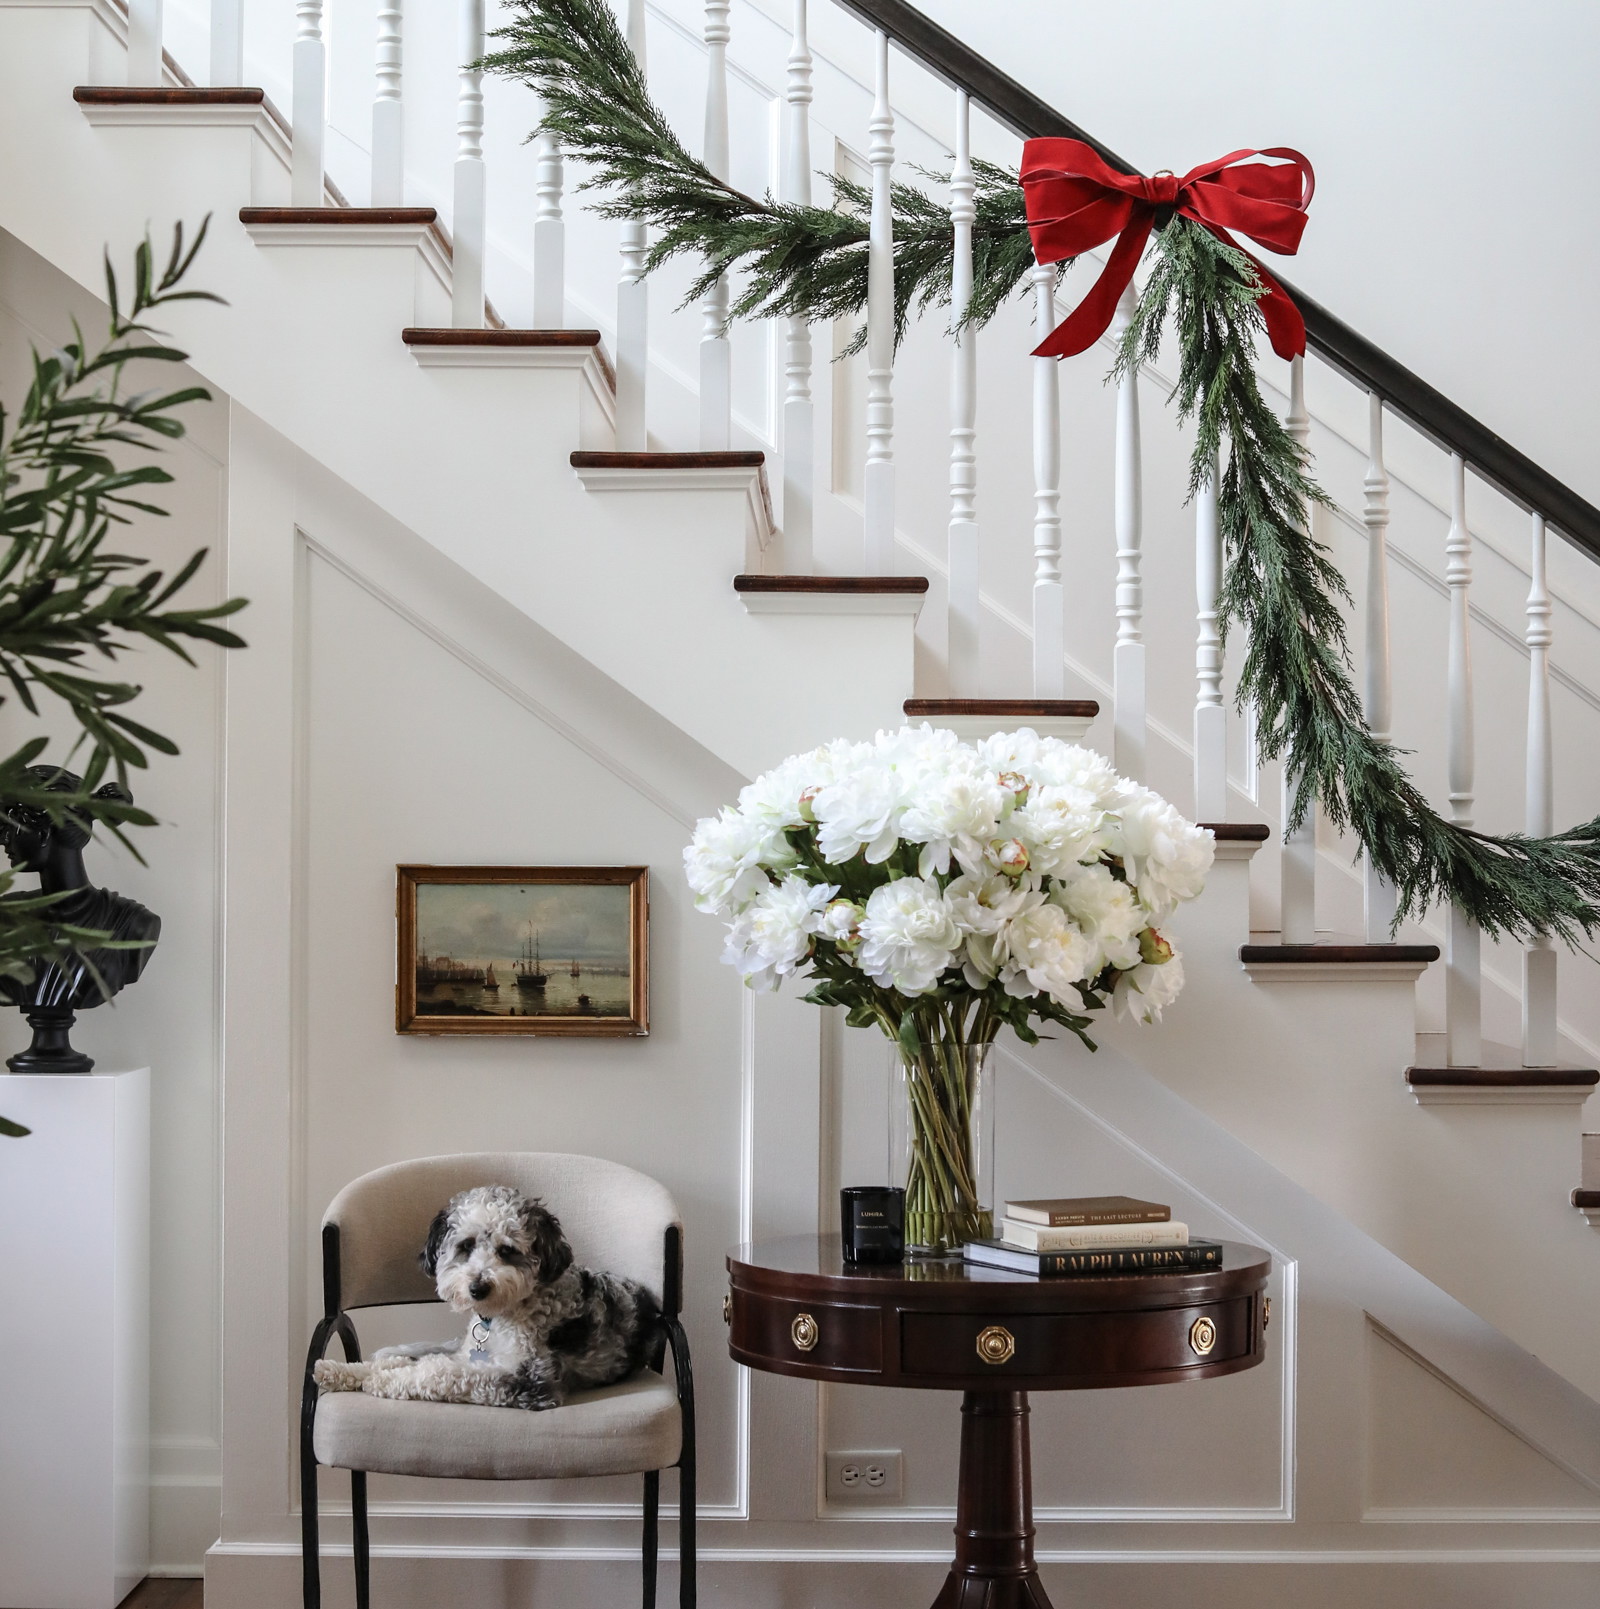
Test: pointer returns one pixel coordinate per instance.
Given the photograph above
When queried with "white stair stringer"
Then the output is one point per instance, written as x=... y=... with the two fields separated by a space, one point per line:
x=1309 y=1074
x=633 y=587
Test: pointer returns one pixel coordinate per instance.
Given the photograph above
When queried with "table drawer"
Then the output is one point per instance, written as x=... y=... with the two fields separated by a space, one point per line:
x=828 y=1335
x=1079 y=1344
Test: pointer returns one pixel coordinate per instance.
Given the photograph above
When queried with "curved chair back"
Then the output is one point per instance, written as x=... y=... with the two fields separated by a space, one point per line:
x=615 y=1218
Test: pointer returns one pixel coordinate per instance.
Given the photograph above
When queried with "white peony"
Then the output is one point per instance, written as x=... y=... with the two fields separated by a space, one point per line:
x=1050 y=951
x=767 y=941
x=1106 y=909
x=860 y=810
x=728 y=860
x=841 y=923
x=954 y=811
x=1060 y=824
x=908 y=935
x=1166 y=856
x=983 y=906
x=775 y=797
x=1142 y=992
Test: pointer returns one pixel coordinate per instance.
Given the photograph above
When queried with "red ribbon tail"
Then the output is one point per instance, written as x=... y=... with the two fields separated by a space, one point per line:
x=1091 y=318
x=1286 y=328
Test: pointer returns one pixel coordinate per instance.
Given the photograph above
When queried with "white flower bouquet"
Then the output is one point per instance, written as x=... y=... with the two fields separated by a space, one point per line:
x=942 y=890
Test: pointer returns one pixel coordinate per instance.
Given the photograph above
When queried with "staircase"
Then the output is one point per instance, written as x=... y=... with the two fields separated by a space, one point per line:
x=735 y=548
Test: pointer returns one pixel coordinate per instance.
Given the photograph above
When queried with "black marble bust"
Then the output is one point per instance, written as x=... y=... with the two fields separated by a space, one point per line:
x=57 y=990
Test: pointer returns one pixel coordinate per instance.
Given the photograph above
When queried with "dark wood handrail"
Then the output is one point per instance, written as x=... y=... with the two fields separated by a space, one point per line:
x=1491 y=457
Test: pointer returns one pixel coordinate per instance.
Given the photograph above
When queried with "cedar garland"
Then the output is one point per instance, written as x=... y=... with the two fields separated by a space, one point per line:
x=1280 y=587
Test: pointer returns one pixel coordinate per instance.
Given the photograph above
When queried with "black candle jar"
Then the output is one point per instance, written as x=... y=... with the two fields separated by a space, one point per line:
x=872 y=1223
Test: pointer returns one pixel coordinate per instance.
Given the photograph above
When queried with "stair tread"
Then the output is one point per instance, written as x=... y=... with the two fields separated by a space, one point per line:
x=431 y=335
x=1504 y=1077
x=709 y=460
x=126 y=95
x=1238 y=832
x=1337 y=950
x=1044 y=708
x=338 y=215
x=830 y=583
x=1586 y=1198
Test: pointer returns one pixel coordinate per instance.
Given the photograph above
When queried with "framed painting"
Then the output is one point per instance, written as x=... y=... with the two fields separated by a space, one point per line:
x=540 y=950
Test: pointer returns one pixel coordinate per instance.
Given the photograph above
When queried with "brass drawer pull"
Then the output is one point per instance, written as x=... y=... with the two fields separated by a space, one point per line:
x=803 y=1332
x=1202 y=1336
x=996 y=1344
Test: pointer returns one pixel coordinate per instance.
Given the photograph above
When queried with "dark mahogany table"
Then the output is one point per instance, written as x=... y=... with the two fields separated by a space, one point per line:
x=796 y=1307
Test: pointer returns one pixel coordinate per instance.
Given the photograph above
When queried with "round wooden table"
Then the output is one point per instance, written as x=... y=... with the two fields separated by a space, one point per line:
x=796 y=1307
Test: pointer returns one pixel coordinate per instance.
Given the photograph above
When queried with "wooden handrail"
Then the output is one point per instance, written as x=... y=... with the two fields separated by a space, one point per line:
x=1491 y=457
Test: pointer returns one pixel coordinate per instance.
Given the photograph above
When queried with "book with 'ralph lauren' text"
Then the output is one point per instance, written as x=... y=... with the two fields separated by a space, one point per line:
x=1107 y=1260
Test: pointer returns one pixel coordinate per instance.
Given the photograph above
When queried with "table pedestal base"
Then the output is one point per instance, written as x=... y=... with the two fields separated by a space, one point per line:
x=994 y=1566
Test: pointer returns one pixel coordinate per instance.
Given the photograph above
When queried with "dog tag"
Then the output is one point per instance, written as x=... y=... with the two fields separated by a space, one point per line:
x=480 y=1335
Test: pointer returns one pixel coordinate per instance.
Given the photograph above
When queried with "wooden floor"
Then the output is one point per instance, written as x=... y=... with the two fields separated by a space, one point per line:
x=166 y=1592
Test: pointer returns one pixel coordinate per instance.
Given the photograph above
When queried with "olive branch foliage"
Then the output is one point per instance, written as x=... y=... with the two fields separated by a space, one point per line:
x=1281 y=590
x=76 y=461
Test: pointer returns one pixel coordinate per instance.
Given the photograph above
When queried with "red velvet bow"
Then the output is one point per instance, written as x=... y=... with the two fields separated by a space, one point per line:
x=1075 y=202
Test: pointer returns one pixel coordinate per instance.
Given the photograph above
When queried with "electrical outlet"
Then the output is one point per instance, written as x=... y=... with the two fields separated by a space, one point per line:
x=869 y=1476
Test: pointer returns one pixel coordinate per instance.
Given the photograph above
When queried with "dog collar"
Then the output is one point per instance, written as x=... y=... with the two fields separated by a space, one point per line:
x=480 y=1337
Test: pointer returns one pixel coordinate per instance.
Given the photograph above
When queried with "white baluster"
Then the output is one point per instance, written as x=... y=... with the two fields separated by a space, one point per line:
x=1378 y=703
x=633 y=299
x=388 y=112
x=1463 y=983
x=227 y=43
x=962 y=651
x=798 y=411
x=716 y=357
x=549 y=237
x=877 y=489
x=1299 y=859
x=1128 y=669
x=144 y=43
x=1210 y=717
x=1539 y=960
x=1049 y=604
x=308 y=105
x=470 y=224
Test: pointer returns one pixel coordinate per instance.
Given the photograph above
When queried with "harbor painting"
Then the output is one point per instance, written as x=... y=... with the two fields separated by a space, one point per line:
x=559 y=950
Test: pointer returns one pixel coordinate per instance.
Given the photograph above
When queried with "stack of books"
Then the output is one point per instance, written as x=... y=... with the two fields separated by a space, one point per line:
x=1092 y=1235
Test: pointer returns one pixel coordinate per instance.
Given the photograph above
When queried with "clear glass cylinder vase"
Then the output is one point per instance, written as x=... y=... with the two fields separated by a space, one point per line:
x=941 y=1142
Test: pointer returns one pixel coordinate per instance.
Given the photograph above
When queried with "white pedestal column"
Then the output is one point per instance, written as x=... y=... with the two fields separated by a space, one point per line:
x=75 y=1340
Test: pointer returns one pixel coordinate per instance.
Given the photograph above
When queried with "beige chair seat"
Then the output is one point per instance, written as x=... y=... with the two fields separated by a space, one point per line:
x=623 y=1429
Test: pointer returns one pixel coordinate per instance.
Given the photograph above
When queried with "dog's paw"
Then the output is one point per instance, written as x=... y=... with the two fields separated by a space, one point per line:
x=334 y=1376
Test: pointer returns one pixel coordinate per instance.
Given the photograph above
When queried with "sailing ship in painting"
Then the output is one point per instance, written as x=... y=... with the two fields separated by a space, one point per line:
x=528 y=969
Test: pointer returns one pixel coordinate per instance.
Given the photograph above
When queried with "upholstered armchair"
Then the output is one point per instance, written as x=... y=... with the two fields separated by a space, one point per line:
x=617 y=1220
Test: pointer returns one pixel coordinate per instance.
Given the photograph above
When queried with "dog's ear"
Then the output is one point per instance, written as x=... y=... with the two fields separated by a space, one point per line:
x=437 y=1230
x=548 y=1244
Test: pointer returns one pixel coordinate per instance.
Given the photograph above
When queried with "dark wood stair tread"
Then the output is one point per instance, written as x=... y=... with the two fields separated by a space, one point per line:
x=720 y=460
x=830 y=583
x=437 y=336
x=337 y=216
x=1502 y=1077
x=125 y=95
x=1043 y=709
x=1586 y=1198
x=1239 y=832
x=1334 y=951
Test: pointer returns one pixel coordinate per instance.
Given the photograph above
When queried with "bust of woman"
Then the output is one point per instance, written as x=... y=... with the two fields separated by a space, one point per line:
x=59 y=988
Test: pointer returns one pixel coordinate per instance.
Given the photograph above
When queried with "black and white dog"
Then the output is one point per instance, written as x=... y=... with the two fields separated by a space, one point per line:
x=541 y=1328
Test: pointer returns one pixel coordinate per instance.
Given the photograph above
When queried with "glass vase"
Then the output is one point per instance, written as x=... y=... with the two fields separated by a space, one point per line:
x=941 y=1142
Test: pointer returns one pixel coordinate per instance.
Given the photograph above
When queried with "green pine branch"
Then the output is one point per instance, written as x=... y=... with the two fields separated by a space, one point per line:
x=1283 y=592
x=792 y=261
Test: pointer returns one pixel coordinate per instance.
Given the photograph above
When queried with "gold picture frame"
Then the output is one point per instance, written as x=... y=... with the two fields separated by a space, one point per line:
x=545 y=951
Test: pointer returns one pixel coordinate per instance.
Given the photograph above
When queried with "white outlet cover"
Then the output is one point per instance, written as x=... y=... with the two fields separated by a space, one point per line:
x=862 y=1475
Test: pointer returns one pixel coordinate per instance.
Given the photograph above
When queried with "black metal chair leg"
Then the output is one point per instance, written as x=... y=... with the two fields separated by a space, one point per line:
x=686 y=1525
x=310 y=1575
x=361 y=1545
x=651 y=1550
